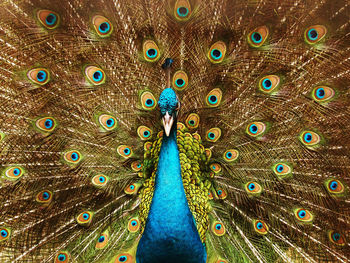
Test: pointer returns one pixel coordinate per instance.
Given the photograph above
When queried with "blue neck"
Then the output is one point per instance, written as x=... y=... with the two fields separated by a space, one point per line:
x=170 y=233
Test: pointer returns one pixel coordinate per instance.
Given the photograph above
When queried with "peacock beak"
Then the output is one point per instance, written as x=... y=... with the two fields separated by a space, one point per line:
x=167 y=123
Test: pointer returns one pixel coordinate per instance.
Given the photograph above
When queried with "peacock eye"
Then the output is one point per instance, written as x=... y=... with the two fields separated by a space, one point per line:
x=282 y=170
x=102 y=26
x=150 y=51
x=124 y=258
x=46 y=124
x=133 y=225
x=260 y=227
x=214 y=97
x=258 y=36
x=13 y=173
x=144 y=132
x=218 y=229
x=62 y=257
x=85 y=218
x=107 y=122
x=217 y=52
x=256 y=129
x=39 y=76
x=309 y=138
x=124 y=151
x=99 y=180
x=231 y=155
x=213 y=134
x=44 y=197
x=315 y=34
x=131 y=189
x=180 y=80
x=49 y=19
x=4 y=233
x=303 y=215
x=322 y=94
x=269 y=84
x=72 y=157
x=334 y=186
x=336 y=238
x=253 y=188
x=148 y=101
x=136 y=166
x=182 y=10
x=221 y=193
x=95 y=75
x=216 y=168
x=192 y=121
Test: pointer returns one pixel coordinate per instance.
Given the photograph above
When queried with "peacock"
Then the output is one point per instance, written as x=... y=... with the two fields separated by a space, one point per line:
x=171 y=131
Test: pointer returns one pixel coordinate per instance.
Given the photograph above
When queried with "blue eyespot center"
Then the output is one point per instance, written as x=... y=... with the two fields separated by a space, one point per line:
x=110 y=122
x=104 y=27
x=211 y=135
x=180 y=83
x=267 y=84
x=126 y=151
x=302 y=213
x=219 y=192
x=307 y=137
x=313 y=35
x=86 y=216
x=51 y=19
x=212 y=99
x=253 y=128
x=320 y=93
x=97 y=76
x=256 y=37
x=336 y=236
x=251 y=186
x=149 y=102
x=61 y=257
x=134 y=223
x=41 y=76
x=132 y=187
x=228 y=154
x=123 y=258
x=218 y=226
x=48 y=124
x=4 y=233
x=46 y=195
x=182 y=11
x=139 y=165
x=259 y=225
x=101 y=239
x=280 y=168
x=333 y=185
x=216 y=54
x=101 y=179
x=146 y=134
x=16 y=171
x=152 y=53
x=74 y=156
x=191 y=122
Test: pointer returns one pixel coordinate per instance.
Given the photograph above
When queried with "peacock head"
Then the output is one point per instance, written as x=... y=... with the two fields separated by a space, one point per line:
x=169 y=105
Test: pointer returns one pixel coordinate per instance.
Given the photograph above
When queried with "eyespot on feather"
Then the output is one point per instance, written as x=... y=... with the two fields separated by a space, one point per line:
x=151 y=51
x=221 y=261
x=147 y=146
x=336 y=237
x=39 y=76
x=182 y=10
x=231 y=155
x=5 y=233
x=13 y=173
x=269 y=84
x=132 y=188
x=310 y=138
x=102 y=240
x=144 y=133
x=315 y=34
x=62 y=257
x=44 y=197
x=282 y=170
x=100 y=180
x=323 y=94
x=258 y=36
x=124 y=258
x=102 y=26
x=95 y=75
x=208 y=153
x=192 y=121
x=49 y=19
x=217 y=52
x=136 y=166
x=253 y=188
x=148 y=101
x=256 y=129
x=46 y=124
x=84 y=218
x=218 y=228
x=72 y=157
x=107 y=122
x=124 y=151
x=303 y=215
x=210 y=196
x=180 y=80
x=214 y=97
x=213 y=134
x=260 y=227
x=133 y=225
x=334 y=186
x=221 y=193
x=215 y=167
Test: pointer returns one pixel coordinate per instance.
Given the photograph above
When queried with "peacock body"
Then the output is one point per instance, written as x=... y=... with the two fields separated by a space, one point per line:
x=174 y=131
